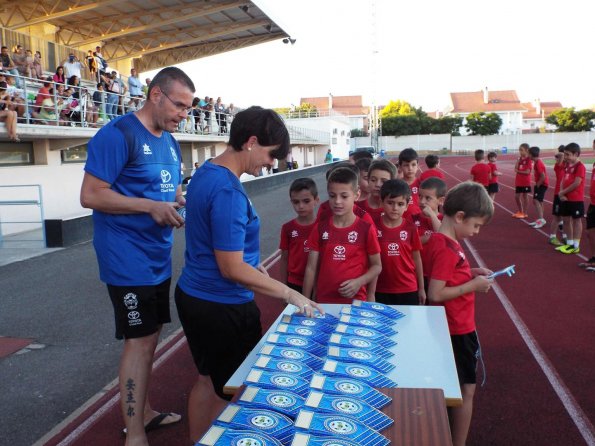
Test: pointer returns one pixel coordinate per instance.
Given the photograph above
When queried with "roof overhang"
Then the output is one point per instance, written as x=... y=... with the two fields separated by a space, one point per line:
x=155 y=33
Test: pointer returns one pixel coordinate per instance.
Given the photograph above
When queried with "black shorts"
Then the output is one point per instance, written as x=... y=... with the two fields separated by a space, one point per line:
x=411 y=298
x=466 y=351
x=591 y=217
x=539 y=192
x=220 y=336
x=522 y=189
x=140 y=310
x=574 y=209
x=556 y=206
x=295 y=286
x=493 y=188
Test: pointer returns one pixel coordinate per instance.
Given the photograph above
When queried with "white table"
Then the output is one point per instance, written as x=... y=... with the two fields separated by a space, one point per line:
x=423 y=354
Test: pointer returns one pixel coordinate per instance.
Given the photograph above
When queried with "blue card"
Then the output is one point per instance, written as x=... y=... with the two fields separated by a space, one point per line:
x=302 y=342
x=367 y=333
x=354 y=311
x=375 y=324
x=357 y=371
x=303 y=439
x=361 y=357
x=269 y=422
x=277 y=380
x=283 y=365
x=339 y=385
x=309 y=322
x=324 y=318
x=296 y=354
x=360 y=343
x=339 y=426
x=385 y=310
x=223 y=436
x=299 y=330
x=288 y=403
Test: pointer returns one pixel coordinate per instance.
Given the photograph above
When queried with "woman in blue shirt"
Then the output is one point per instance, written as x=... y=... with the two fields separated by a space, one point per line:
x=215 y=293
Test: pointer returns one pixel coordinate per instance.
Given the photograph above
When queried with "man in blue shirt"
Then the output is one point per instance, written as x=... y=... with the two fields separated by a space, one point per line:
x=133 y=184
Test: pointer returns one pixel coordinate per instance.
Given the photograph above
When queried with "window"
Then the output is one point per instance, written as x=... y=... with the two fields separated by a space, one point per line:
x=16 y=154
x=334 y=141
x=77 y=154
x=342 y=132
x=334 y=131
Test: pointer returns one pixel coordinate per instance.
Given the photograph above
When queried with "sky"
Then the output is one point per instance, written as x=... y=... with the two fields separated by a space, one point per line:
x=417 y=51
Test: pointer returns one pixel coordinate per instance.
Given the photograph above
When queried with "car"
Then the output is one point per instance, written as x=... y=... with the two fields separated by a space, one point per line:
x=369 y=149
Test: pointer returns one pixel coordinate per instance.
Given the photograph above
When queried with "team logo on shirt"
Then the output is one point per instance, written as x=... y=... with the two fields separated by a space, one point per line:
x=462 y=255
x=130 y=301
x=325 y=235
x=306 y=247
x=166 y=185
x=147 y=149
x=294 y=234
x=339 y=253
x=403 y=235
x=352 y=237
x=393 y=249
x=414 y=190
x=379 y=233
x=173 y=153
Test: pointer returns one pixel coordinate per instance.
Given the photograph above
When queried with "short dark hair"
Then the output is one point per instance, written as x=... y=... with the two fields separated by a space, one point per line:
x=165 y=77
x=344 y=175
x=384 y=165
x=432 y=161
x=573 y=148
x=356 y=156
x=470 y=198
x=479 y=155
x=492 y=155
x=534 y=151
x=395 y=188
x=407 y=155
x=345 y=164
x=436 y=184
x=363 y=164
x=561 y=148
x=265 y=124
x=524 y=146
x=301 y=184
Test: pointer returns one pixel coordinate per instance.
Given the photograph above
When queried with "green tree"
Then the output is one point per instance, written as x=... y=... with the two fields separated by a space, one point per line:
x=447 y=124
x=358 y=132
x=570 y=120
x=481 y=123
x=397 y=108
x=282 y=110
x=401 y=125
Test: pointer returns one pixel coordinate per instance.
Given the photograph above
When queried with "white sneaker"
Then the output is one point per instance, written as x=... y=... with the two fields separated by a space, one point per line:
x=539 y=223
x=534 y=223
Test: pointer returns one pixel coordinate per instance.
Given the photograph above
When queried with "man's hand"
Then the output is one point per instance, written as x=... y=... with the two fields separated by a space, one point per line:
x=165 y=214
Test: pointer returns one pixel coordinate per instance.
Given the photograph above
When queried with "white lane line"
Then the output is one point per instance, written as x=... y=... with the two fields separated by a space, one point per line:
x=577 y=415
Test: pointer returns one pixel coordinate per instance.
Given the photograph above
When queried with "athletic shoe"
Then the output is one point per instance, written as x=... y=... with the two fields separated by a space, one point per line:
x=588 y=264
x=533 y=223
x=591 y=269
x=569 y=249
x=539 y=223
x=564 y=246
x=554 y=241
x=518 y=215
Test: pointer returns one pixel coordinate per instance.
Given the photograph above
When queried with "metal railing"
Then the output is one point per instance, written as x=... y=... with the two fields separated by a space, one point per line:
x=21 y=195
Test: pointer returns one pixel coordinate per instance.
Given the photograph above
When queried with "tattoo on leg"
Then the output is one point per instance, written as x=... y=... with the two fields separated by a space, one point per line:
x=130 y=411
x=130 y=386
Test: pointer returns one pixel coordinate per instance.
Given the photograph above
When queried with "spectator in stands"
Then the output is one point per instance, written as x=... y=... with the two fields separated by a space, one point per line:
x=72 y=66
x=208 y=108
x=29 y=61
x=135 y=86
x=99 y=100
x=42 y=93
x=196 y=115
x=47 y=112
x=19 y=59
x=59 y=75
x=146 y=86
x=101 y=65
x=113 y=90
x=92 y=64
x=9 y=117
x=37 y=68
x=7 y=63
x=220 y=114
x=17 y=96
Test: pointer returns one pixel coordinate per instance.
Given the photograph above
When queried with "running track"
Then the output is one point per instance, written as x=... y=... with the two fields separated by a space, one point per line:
x=536 y=330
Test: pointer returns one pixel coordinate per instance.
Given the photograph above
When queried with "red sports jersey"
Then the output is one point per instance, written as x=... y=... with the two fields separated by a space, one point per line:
x=414 y=200
x=538 y=169
x=576 y=170
x=396 y=252
x=430 y=173
x=422 y=223
x=481 y=173
x=559 y=171
x=446 y=261
x=592 y=189
x=524 y=164
x=343 y=255
x=375 y=213
x=324 y=212
x=293 y=240
x=493 y=170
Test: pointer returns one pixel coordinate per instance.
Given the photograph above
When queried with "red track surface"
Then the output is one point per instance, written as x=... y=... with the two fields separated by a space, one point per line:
x=536 y=330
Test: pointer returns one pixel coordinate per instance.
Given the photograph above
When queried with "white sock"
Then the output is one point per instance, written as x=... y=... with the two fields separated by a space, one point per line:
x=552 y=235
x=576 y=243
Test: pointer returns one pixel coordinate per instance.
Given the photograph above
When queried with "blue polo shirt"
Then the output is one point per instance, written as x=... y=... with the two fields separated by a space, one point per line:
x=132 y=249
x=219 y=216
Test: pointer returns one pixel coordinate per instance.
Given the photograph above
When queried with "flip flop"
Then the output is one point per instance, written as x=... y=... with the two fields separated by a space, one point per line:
x=157 y=422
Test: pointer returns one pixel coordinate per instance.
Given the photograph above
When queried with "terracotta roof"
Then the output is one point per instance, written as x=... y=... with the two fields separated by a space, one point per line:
x=546 y=107
x=348 y=105
x=498 y=101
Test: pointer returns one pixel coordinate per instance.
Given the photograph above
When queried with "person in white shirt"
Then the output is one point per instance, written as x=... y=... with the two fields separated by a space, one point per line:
x=72 y=67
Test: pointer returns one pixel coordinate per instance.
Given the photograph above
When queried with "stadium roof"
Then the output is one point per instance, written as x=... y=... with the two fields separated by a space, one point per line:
x=156 y=33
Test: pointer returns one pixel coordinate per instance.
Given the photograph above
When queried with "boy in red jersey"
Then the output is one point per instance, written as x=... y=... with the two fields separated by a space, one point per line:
x=401 y=281
x=493 y=187
x=522 y=181
x=481 y=172
x=557 y=223
x=453 y=284
x=363 y=165
x=590 y=264
x=572 y=206
x=294 y=234
x=380 y=171
x=433 y=163
x=431 y=196
x=344 y=259
x=540 y=186
x=408 y=166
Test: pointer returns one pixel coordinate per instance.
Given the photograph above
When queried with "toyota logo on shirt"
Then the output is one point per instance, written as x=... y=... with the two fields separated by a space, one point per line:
x=165 y=176
x=393 y=249
x=339 y=253
x=133 y=315
x=339 y=249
